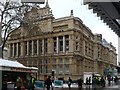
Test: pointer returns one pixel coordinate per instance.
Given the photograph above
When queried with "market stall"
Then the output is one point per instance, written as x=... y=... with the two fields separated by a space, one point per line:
x=10 y=70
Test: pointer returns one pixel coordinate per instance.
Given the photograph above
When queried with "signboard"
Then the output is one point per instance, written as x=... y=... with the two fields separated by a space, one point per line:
x=39 y=85
x=33 y=1
x=58 y=83
x=87 y=75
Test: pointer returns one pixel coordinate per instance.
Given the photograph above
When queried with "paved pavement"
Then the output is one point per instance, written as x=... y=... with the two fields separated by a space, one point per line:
x=112 y=86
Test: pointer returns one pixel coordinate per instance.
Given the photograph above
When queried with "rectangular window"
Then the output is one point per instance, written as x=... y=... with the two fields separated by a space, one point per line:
x=77 y=45
x=15 y=49
x=35 y=47
x=45 y=45
x=60 y=61
x=41 y=71
x=61 y=43
x=40 y=46
x=19 y=49
x=66 y=69
x=54 y=61
x=54 y=68
x=55 y=44
x=30 y=47
x=67 y=43
x=66 y=61
x=25 y=48
x=60 y=68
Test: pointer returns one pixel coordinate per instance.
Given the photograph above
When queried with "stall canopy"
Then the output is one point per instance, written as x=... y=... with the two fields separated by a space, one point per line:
x=9 y=65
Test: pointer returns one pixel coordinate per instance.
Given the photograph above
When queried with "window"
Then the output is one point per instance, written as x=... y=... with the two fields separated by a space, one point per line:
x=15 y=49
x=40 y=46
x=45 y=45
x=67 y=43
x=66 y=69
x=61 y=43
x=60 y=61
x=54 y=67
x=30 y=47
x=41 y=71
x=54 y=61
x=19 y=49
x=55 y=44
x=35 y=47
x=60 y=68
x=77 y=45
x=25 y=48
x=66 y=61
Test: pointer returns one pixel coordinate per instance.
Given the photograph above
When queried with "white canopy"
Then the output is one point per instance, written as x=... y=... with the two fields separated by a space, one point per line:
x=12 y=65
x=9 y=63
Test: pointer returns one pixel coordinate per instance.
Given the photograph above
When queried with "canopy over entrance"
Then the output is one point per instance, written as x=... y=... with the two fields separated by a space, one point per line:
x=8 y=65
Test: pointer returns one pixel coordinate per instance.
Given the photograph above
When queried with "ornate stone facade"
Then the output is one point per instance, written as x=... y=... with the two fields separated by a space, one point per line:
x=64 y=45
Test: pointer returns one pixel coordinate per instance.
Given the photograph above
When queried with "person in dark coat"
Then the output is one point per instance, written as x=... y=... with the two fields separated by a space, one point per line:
x=69 y=83
x=48 y=83
x=102 y=81
x=80 y=81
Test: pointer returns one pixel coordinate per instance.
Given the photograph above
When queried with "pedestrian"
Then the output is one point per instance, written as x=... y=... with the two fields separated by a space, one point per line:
x=94 y=83
x=48 y=83
x=87 y=82
x=109 y=79
x=33 y=82
x=80 y=82
x=102 y=81
x=116 y=79
x=18 y=83
x=29 y=82
x=69 y=83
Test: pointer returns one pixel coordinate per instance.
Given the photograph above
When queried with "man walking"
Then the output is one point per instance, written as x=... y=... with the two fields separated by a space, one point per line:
x=48 y=83
x=80 y=81
x=69 y=83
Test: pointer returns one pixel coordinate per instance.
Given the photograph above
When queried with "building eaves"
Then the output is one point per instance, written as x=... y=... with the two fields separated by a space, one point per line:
x=109 y=12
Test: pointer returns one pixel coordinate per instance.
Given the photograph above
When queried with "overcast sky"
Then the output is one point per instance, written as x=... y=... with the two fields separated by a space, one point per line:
x=62 y=8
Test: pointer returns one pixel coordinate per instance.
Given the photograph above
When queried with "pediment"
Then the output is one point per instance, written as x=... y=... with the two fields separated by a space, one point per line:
x=31 y=31
x=15 y=34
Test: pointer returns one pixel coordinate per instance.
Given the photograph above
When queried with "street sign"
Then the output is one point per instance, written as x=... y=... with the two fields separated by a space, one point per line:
x=33 y=1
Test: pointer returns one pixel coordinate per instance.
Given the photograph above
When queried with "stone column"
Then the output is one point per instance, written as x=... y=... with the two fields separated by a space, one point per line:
x=63 y=43
x=17 y=50
x=57 y=44
x=22 y=49
x=37 y=47
x=32 y=47
x=13 y=49
x=27 y=47
x=43 y=46
x=9 y=50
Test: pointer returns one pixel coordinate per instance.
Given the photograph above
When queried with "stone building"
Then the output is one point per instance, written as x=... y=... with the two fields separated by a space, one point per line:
x=63 y=45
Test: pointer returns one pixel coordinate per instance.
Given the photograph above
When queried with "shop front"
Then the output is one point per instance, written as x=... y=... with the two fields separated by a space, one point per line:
x=10 y=70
